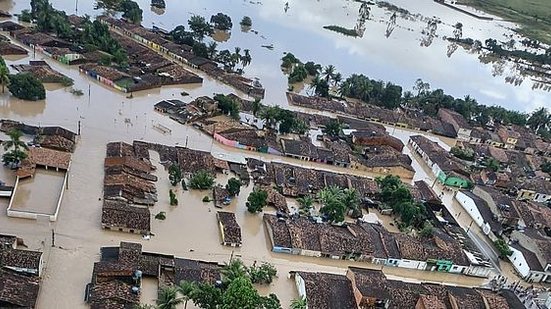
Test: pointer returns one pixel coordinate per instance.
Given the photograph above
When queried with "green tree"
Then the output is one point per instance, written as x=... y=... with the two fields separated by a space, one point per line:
x=172 y=197
x=299 y=303
x=351 y=199
x=186 y=289
x=492 y=164
x=256 y=201
x=174 y=174
x=233 y=186
x=26 y=87
x=227 y=106
x=298 y=74
x=235 y=269
x=246 y=58
x=257 y=106
x=320 y=86
x=168 y=298
x=211 y=50
x=240 y=294
x=246 y=22
x=221 y=21
x=207 y=296
x=312 y=68
x=329 y=73
x=262 y=274
x=25 y=16
x=200 y=27
x=333 y=128
x=332 y=200
x=306 y=202
x=546 y=167
x=131 y=11
x=15 y=149
x=427 y=230
x=289 y=60
x=4 y=77
x=200 y=49
x=538 y=119
x=503 y=248
x=201 y=180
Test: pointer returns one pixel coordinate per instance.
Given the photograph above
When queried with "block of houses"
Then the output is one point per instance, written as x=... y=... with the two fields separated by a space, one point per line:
x=502 y=207
x=383 y=160
x=366 y=288
x=117 y=277
x=443 y=166
x=480 y=213
x=230 y=230
x=508 y=136
x=459 y=123
x=534 y=215
x=371 y=243
x=374 y=138
x=531 y=255
x=536 y=189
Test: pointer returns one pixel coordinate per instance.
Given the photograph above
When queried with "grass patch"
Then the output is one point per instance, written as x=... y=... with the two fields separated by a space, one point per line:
x=342 y=30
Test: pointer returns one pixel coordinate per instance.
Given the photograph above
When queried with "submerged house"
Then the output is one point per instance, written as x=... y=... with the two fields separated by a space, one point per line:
x=230 y=230
x=443 y=166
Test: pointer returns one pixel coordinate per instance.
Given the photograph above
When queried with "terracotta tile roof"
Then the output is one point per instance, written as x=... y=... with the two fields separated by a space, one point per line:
x=49 y=157
x=196 y=271
x=231 y=230
x=121 y=215
x=18 y=290
x=26 y=259
x=328 y=291
x=113 y=295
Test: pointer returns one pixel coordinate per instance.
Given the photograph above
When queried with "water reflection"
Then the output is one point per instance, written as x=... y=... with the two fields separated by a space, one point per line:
x=429 y=32
x=401 y=60
x=391 y=25
x=158 y=11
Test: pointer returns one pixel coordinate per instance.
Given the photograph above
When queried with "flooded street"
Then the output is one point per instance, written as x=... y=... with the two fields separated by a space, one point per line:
x=190 y=229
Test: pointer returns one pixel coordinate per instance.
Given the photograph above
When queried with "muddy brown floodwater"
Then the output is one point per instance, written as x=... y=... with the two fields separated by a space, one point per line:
x=190 y=229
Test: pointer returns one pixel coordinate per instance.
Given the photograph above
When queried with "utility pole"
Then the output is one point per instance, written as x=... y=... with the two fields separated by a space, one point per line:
x=78 y=128
x=76 y=7
x=53 y=238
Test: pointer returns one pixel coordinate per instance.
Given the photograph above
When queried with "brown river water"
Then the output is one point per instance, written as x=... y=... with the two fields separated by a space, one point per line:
x=190 y=229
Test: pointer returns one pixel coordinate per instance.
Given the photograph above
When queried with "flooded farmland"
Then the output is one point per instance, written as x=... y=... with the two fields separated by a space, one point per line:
x=190 y=229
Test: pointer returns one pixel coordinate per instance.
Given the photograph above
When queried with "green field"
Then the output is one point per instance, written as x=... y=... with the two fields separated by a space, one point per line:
x=533 y=15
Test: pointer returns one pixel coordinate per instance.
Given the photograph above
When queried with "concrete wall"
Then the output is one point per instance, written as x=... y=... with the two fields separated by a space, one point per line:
x=519 y=262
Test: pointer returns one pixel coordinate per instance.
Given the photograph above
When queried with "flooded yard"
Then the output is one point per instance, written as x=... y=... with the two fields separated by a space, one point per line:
x=190 y=229
x=39 y=194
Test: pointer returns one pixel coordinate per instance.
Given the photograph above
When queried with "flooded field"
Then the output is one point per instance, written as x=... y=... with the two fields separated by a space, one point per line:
x=40 y=193
x=190 y=229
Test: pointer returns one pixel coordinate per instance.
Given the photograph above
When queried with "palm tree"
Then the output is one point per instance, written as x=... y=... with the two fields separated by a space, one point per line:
x=235 y=269
x=305 y=203
x=211 y=50
x=329 y=72
x=4 y=77
x=18 y=147
x=352 y=200
x=168 y=298
x=330 y=193
x=186 y=288
x=236 y=56
x=337 y=79
x=246 y=58
x=257 y=105
x=299 y=303
x=14 y=141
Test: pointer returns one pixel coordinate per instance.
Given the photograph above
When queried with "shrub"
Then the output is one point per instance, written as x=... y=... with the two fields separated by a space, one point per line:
x=206 y=199
x=201 y=180
x=160 y=216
